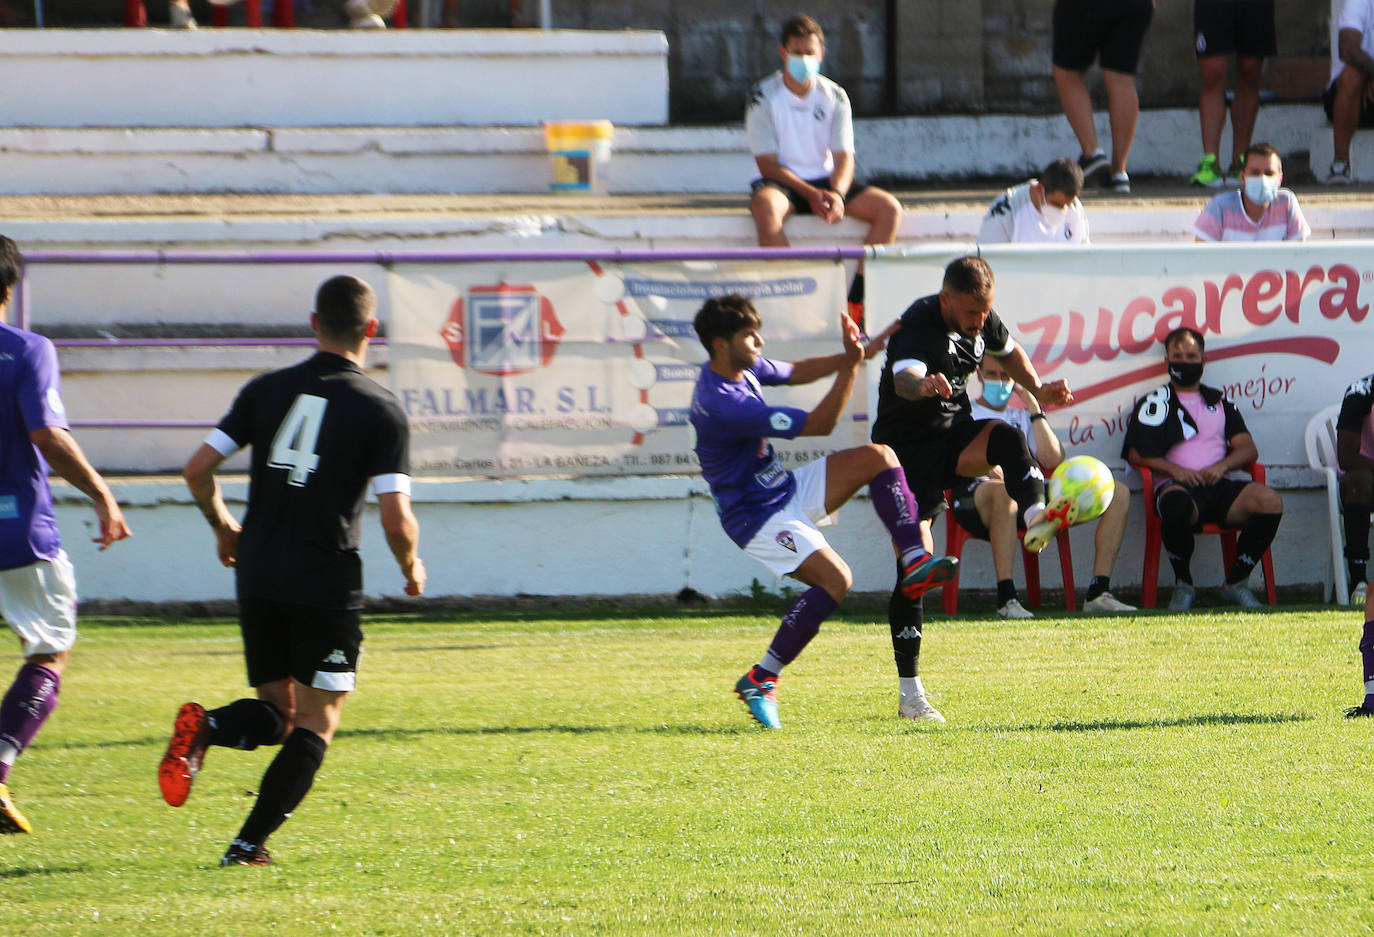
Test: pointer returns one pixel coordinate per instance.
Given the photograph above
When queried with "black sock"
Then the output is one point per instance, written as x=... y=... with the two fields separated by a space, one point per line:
x=1099 y=585
x=1020 y=472
x=245 y=724
x=856 y=290
x=284 y=785
x=1254 y=539
x=1006 y=591
x=1176 y=531
x=1356 y=517
x=1367 y=658
x=904 y=620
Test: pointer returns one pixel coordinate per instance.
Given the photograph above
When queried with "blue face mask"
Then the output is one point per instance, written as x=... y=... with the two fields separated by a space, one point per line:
x=1261 y=189
x=998 y=393
x=803 y=68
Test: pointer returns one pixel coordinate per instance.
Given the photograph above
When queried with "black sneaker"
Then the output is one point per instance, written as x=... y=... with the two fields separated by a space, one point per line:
x=1357 y=712
x=246 y=855
x=1092 y=165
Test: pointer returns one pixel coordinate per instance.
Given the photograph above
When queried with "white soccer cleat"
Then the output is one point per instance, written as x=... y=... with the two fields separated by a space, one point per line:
x=1357 y=594
x=1043 y=527
x=916 y=707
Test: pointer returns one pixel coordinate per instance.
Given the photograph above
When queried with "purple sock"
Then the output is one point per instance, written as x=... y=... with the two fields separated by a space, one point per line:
x=30 y=700
x=897 y=510
x=799 y=626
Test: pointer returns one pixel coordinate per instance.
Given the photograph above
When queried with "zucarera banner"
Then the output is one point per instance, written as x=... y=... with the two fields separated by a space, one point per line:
x=583 y=368
x=1286 y=325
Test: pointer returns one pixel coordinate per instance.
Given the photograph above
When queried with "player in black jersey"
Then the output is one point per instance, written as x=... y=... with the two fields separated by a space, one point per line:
x=924 y=415
x=321 y=434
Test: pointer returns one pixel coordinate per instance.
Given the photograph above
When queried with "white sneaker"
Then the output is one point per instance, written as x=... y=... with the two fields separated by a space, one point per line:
x=1011 y=608
x=1105 y=603
x=1183 y=596
x=1238 y=593
x=1337 y=174
x=179 y=16
x=1357 y=594
x=915 y=706
x=362 y=15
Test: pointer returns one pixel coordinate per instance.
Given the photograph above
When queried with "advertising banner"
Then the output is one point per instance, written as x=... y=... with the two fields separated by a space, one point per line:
x=584 y=368
x=1286 y=326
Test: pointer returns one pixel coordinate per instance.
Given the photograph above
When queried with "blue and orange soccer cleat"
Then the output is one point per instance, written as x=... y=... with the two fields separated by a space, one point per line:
x=241 y=854
x=929 y=572
x=185 y=753
x=761 y=696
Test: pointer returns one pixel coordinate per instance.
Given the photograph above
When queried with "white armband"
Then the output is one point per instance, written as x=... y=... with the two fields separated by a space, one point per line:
x=395 y=483
x=222 y=442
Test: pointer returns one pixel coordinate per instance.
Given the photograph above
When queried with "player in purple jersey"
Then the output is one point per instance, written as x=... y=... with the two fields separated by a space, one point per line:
x=772 y=513
x=37 y=588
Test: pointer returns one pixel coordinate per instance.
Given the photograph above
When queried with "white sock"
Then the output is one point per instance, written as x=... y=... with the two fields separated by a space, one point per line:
x=1033 y=513
x=911 y=686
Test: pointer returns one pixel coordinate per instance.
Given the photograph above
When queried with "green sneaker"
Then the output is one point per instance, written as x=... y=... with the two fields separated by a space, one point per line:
x=1208 y=173
x=1233 y=175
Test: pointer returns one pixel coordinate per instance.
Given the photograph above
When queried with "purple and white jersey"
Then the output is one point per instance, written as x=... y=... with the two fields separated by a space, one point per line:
x=29 y=401
x=733 y=425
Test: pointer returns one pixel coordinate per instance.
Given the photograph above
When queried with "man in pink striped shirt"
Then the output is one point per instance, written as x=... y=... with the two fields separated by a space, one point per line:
x=1260 y=210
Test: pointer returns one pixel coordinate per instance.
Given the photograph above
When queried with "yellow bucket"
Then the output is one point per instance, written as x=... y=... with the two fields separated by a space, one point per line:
x=580 y=152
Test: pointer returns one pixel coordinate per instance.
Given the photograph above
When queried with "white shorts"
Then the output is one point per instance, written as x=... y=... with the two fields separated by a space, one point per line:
x=39 y=604
x=790 y=535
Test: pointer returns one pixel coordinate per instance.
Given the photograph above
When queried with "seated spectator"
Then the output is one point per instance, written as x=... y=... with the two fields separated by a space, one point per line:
x=1259 y=210
x=1044 y=210
x=1190 y=436
x=985 y=510
x=1348 y=96
x=1355 y=456
x=801 y=133
x=361 y=14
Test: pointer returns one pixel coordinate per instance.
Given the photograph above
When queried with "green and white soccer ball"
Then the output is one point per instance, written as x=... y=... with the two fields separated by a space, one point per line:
x=1087 y=481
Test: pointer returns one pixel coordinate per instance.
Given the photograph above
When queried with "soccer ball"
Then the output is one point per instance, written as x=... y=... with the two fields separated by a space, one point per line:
x=1087 y=481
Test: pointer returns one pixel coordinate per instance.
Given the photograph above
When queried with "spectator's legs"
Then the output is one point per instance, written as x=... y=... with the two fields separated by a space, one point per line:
x=1345 y=112
x=1123 y=109
x=998 y=513
x=1211 y=106
x=880 y=209
x=770 y=209
x=1245 y=106
x=1111 y=530
x=1078 y=108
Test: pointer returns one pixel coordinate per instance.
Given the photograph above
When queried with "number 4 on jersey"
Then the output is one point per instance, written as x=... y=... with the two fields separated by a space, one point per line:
x=294 y=445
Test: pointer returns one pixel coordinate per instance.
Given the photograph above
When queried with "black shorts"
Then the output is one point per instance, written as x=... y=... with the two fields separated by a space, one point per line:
x=1329 y=102
x=318 y=647
x=1213 y=501
x=966 y=515
x=800 y=205
x=1245 y=27
x=1110 y=29
x=931 y=464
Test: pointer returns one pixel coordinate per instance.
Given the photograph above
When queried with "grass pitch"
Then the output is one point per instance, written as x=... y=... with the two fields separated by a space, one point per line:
x=581 y=775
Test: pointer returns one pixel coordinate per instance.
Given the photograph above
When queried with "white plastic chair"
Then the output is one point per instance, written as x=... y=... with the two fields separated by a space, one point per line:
x=1320 y=441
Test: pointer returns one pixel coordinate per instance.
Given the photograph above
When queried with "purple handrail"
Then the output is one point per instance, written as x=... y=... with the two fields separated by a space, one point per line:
x=380 y=258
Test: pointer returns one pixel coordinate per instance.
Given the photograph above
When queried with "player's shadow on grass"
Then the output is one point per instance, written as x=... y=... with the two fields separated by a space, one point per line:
x=550 y=729
x=25 y=872
x=1175 y=722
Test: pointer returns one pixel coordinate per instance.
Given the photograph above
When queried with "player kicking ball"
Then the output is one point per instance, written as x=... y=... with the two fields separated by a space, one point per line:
x=774 y=514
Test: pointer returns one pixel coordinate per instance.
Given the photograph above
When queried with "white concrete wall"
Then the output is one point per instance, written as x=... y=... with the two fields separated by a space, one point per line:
x=138 y=78
x=650 y=535
x=255 y=153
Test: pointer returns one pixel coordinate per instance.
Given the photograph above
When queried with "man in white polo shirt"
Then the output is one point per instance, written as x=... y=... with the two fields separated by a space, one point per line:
x=801 y=133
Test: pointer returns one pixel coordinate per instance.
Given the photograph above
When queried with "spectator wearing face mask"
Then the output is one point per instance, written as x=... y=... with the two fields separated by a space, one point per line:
x=1260 y=210
x=1039 y=211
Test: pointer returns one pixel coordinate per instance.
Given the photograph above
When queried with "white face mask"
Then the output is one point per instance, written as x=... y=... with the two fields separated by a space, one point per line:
x=1054 y=215
x=1261 y=189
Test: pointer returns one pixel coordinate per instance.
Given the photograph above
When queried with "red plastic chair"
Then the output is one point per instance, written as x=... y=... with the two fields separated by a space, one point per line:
x=1149 y=579
x=956 y=536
